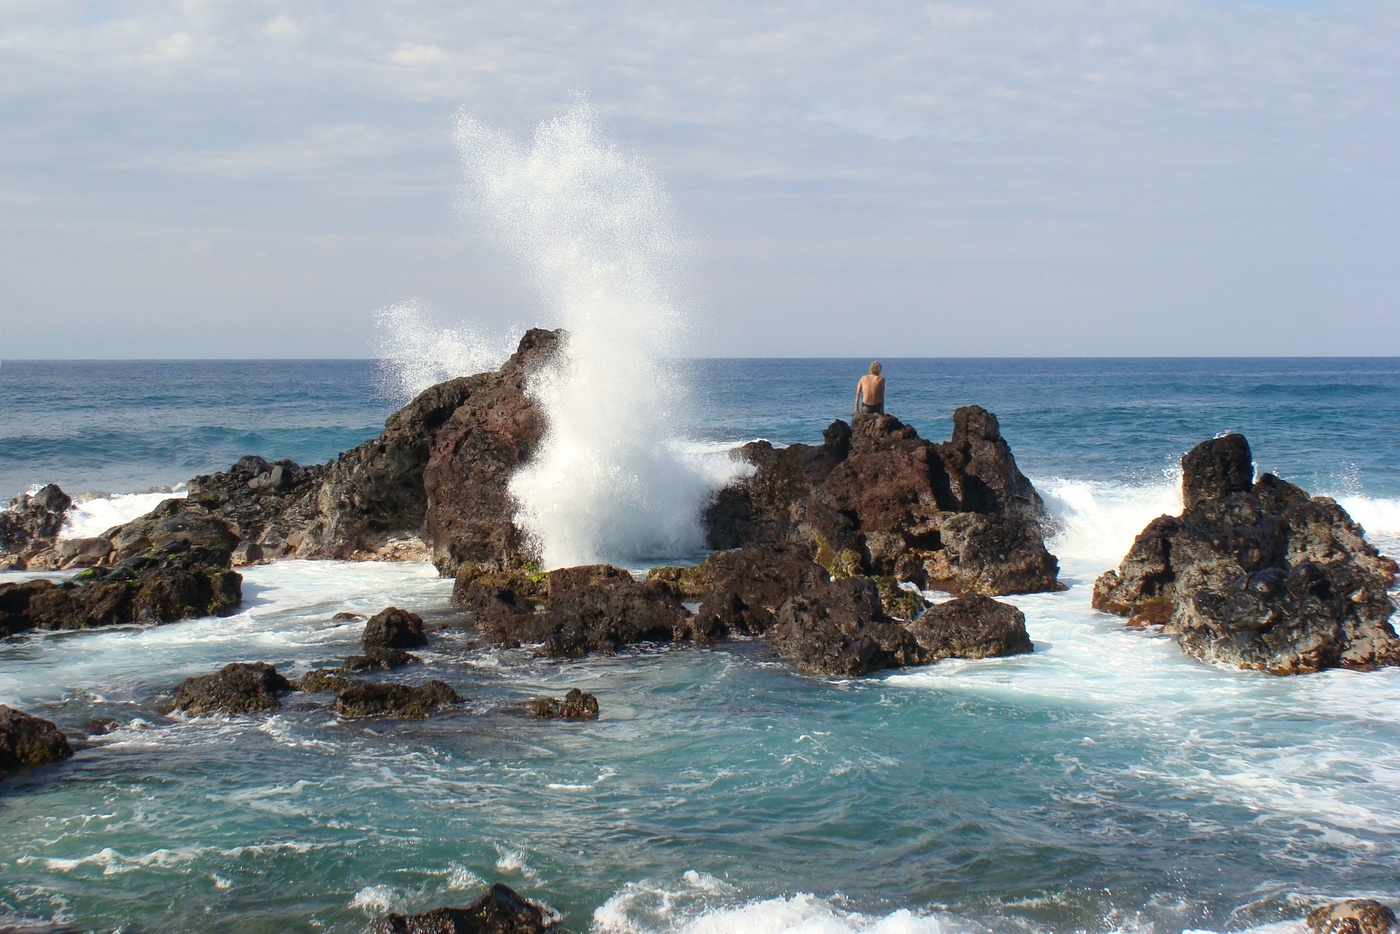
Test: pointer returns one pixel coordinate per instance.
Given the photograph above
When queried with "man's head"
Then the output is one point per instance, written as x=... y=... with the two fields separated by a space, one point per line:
x=875 y=367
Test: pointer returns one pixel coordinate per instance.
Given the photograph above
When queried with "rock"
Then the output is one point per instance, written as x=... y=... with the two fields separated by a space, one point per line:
x=81 y=553
x=243 y=687
x=394 y=628
x=493 y=595
x=172 y=583
x=394 y=700
x=378 y=658
x=971 y=626
x=499 y=911
x=576 y=705
x=101 y=726
x=30 y=524
x=1352 y=916
x=320 y=680
x=1264 y=578
x=876 y=499
x=493 y=428
x=174 y=520
x=837 y=628
x=1213 y=469
x=740 y=591
x=345 y=616
x=27 y=740
x=590 y=609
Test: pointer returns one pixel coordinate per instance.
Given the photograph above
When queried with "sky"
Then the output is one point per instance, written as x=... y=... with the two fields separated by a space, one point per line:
x=221 y=179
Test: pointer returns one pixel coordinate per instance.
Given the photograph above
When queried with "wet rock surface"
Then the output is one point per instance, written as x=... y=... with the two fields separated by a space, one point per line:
x=971 y=626
x=27 y=741
x=409 y=702
x=29 y=526
x=838 y=628
x=874 y=498
x=1352 y=916
x=393 y=628
x=575 y=705
x=500 y=910
x=173 y=582
x=1263 y=577
x=243 y=687
x=378 y=658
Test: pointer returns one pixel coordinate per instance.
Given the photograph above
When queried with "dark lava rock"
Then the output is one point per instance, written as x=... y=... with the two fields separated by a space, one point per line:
x=971 y=626
x=378 y=658
x=27 y=740
x=1264 y=578
x=30 y=524
x=320 y=680
x=499 y=911
x=590 y=609
x=1352 y=916
x=243 y=687
x=875 y=498
x=493 y=595
x=174 y=582
x=393 y=628
x=740 y=591
x=838 y=628
x=576 y=705
x=411 y=702
x=174 y=520
x=345 y=616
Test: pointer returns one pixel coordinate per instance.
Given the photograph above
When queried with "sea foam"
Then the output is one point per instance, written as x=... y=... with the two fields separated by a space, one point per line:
x=591 y=225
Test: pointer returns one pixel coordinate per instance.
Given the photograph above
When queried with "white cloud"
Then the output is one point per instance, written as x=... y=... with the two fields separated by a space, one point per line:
x=413 y=54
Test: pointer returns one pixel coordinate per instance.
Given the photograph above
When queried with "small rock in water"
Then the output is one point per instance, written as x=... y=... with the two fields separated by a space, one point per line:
x=243 y=687
x=393 y=628
x=398 y=700
x=500 y=910
x=26 y=740
x=319 y=680
x=972 y=626
x=576 y=705
x=1352 y=916
x=378 y=659
x=345 y=616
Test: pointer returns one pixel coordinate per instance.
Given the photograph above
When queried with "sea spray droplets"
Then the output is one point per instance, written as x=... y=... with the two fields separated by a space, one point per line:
x=415 y=352
x=590 y=224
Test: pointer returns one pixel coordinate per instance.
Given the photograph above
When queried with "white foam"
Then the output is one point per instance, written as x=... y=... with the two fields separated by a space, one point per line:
x=1379 y=516
x=90 y=517
x=591 y=224
x=416 y=352
x=1096 y=522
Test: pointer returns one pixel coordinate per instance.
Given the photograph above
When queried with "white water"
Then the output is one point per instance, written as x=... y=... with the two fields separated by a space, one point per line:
x=590 y=224
x=415 y=351
x=93 y=515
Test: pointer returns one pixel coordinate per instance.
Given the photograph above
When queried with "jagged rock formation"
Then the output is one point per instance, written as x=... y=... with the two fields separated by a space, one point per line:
x=29 y=526
x=1258 y=576
x=26 y=740
x=172 y=583
x=500 y=910
x=875 y=498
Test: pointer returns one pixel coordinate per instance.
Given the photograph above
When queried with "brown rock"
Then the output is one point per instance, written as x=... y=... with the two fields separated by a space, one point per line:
x=576 y=705
x=1352 y=916
x=27 y=740
x=243 y=687
x=971 y=626
x=393 y=628
x=394 y=700
x=499 y=911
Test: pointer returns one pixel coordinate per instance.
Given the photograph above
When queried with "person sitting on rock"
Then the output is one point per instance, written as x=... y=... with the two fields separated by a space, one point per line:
x=870 y=392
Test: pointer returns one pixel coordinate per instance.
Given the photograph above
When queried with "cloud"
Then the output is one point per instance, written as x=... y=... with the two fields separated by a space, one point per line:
x=413 y=54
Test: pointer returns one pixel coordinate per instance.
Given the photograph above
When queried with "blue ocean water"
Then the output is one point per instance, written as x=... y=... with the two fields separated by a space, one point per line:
x=1104 y=783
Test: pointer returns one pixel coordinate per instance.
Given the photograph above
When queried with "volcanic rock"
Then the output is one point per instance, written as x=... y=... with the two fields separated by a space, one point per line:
x=394 y=628
x=243 y=687
x=740 y=591
x=499 y=911
x=378 y=658
x=983 y=553
x=1265 y=577
x=971 y=626
x=27 y=740
x=576 y=705
x=838 y=628
x=172 y=583
x=411 y=702
x=174 y=520
x=29 y=526
x=320 y=680
x=1352 y=916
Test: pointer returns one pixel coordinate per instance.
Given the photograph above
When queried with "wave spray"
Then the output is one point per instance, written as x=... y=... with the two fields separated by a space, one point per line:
x=590 y=223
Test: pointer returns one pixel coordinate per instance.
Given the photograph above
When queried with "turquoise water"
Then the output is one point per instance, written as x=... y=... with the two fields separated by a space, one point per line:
x=1104 y=783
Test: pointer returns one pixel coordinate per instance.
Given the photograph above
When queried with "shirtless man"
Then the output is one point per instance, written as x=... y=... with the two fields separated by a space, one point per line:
x=870 y=391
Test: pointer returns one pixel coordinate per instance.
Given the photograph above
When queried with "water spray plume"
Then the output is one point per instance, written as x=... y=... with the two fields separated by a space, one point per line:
x=590 y=225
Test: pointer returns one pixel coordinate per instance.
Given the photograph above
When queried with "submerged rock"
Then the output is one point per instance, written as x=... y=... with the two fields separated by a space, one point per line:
x=411 y=702
x=1352 y=916
x=576 y=705
x=1259 y=576
x=393 y=628
x=378 y=658
x=243 y=687
x=172 y=583
x=26 y=741
x=321 y=680
x=500 y=910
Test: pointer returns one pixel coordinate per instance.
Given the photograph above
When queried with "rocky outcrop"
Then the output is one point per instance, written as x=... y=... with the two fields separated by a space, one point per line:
x=243 y=687
x=838 y=628
x=499 y=911
x=875 y=498
x=409 y=702
x=570 y=612
x=1352 y=916
x=575 y=705
x=26 y=741
x=971 y=626
x=29 y=527
x=393 y=628
x=172 y=583
x=1259 y=576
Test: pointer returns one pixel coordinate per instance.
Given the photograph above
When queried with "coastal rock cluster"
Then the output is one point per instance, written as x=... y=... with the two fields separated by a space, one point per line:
x=1257 y=574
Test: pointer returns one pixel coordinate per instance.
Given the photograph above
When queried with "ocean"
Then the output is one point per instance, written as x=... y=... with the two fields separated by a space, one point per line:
x=1104 y=783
